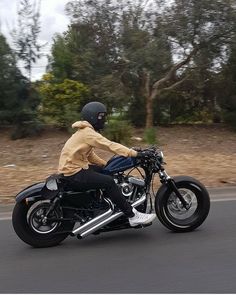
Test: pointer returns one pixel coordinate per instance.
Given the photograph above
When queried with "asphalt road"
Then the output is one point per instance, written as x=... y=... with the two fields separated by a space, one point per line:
x=150 y=260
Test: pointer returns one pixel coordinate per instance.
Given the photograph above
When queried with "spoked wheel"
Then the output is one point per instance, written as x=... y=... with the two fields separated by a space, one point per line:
x=174 y=215
x=38 y=228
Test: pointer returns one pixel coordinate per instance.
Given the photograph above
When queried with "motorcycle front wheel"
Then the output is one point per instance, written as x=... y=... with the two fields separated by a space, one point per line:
x=171 y=211
x=32 y=227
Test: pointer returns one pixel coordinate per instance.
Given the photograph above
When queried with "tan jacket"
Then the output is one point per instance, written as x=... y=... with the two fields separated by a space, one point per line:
x=78 y=151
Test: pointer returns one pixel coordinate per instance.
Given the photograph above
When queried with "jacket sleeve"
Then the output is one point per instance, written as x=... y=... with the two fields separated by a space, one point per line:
x=95 y=159
x=95 y=139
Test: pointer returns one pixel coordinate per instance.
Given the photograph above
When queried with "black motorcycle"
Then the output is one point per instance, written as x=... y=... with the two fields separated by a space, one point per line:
x=47 y=212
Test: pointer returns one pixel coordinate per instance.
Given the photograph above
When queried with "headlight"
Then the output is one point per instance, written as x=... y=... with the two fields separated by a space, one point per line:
x=161 y=157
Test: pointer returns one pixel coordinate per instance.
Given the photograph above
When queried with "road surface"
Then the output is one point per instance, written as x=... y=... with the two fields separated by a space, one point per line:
x=149 y=260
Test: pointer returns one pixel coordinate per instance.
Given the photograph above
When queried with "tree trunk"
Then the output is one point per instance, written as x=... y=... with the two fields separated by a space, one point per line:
x=149 y=112
x=160 y=85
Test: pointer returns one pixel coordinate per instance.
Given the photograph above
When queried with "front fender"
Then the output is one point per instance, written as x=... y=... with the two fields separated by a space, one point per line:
x=31 y=191
x=178 y=180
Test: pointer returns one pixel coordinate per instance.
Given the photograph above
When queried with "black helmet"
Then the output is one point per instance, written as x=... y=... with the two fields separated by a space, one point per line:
x=94 y=113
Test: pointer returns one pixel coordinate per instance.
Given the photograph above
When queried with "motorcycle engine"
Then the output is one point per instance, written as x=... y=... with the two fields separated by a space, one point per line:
x=127 y=189
x=129 y=186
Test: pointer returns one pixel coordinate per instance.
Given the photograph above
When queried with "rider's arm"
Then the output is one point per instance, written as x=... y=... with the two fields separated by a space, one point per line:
x=95 y=139
x=95 y=159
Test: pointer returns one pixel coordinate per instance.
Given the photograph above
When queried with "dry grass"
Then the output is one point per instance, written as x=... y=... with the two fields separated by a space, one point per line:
x=207 y=153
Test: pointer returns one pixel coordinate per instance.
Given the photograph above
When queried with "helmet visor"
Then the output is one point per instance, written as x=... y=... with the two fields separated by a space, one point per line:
x=102 y=116
x=101 y=119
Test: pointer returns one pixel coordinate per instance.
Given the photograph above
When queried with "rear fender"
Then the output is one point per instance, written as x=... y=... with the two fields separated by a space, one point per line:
x=33 y=191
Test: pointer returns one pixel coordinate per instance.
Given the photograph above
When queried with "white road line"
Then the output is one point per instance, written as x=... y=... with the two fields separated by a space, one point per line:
x=5 y=215
x=224 y=199
x=5 y=218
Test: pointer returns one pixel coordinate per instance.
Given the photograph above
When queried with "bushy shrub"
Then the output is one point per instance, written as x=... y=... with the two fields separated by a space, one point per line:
x=118 y=130
x=230 y=119
x=26 y=124
x=229 y=111
x=150 y=136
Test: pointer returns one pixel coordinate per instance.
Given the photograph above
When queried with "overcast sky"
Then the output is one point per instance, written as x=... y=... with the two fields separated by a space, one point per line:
x=53 y=20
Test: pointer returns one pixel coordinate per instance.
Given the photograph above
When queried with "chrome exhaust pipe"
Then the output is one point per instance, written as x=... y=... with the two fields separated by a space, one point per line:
x=109 y=219
x=95 y=220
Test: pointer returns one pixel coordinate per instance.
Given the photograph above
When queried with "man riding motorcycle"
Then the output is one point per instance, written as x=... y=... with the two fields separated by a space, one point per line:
x=78 y=153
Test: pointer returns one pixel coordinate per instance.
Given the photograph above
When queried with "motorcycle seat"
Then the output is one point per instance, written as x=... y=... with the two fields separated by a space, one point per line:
x=56 y=183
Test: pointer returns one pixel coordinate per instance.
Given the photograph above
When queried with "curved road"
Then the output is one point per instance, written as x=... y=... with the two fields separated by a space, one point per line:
x=149 y=260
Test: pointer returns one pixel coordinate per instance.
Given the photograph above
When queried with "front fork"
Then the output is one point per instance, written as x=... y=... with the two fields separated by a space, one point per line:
x=165 y=178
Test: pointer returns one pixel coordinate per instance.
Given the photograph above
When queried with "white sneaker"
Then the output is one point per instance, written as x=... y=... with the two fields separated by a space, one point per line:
x=141 y=218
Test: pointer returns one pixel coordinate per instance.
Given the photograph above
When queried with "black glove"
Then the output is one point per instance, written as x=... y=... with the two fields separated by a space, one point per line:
x=144 y=154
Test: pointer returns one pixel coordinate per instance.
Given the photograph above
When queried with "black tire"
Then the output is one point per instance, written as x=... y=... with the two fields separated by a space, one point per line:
x=170 y=211
x=26 y=233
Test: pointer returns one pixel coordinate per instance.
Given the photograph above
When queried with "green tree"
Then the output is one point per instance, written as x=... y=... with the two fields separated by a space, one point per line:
x=153 y=47
x=146 y=54
x=18 y=99
x=108 y=47
x=90 y=51
x=61 y=63
x=25 y=37
x=225 y=88
x=192 y=27
x=9 y=82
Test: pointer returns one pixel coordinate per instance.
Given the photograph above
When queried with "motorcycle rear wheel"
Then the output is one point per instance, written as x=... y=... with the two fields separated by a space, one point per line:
x=30 y=228
x=172 y=213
